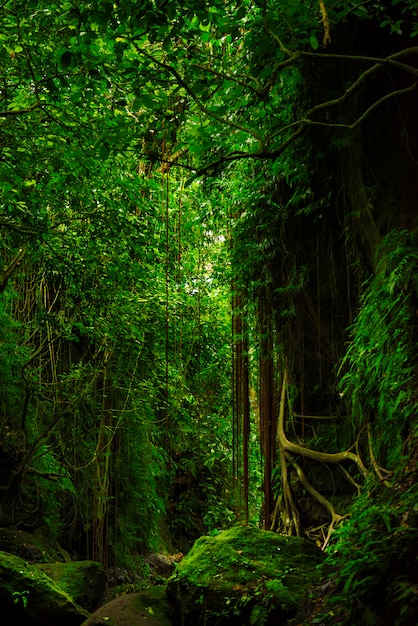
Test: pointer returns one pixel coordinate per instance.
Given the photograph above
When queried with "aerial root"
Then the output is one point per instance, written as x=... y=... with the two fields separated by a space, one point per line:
x=335 y=517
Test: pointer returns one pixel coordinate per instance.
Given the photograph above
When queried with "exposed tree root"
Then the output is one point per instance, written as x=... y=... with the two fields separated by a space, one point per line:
x=285 y=504
x=315 y=455
x=335 y=517
x=349 y=478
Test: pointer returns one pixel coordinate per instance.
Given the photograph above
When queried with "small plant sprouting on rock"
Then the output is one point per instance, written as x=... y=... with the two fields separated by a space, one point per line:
x=20 y=596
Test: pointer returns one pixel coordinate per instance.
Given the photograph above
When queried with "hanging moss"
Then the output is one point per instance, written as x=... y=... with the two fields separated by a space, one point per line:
x=231 y=577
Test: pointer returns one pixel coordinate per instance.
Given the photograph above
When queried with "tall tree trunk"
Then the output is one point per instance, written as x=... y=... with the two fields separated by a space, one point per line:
x=268 y=417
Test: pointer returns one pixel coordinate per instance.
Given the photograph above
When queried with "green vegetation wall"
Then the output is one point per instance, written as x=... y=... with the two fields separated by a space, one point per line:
x=111 y=298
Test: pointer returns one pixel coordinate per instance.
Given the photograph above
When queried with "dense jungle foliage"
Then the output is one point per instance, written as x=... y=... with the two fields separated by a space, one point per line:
x=208 y=281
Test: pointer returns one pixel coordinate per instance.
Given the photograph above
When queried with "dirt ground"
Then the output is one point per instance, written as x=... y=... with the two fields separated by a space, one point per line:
x=133 y=609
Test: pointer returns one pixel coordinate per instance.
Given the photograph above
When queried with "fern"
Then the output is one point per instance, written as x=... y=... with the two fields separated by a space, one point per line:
x=259 y=615
x=379 y=374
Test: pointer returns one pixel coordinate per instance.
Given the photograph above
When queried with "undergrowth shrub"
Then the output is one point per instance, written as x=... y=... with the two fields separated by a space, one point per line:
x=373 y=558
x=379 y=378
x=373 y=553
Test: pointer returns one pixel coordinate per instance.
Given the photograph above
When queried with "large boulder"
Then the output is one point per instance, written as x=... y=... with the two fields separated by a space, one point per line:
x=147 y=608
x=243 y=576
x=84 y=581
x=30 y=597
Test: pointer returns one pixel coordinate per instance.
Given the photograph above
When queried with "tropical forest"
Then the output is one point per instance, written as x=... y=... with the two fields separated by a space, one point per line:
x=209 y=312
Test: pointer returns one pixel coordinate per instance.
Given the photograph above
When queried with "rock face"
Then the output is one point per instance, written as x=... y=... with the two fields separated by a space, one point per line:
x=27 y=546
x=84 y=581
x=30 y=597
x=243 y=576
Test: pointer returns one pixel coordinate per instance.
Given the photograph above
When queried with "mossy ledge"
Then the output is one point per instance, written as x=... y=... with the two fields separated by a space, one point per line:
x=83 y=581
x=30 y=597
x=243 y=572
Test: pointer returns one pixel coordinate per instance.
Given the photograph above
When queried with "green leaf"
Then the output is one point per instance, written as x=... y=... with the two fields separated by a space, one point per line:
x=314 y=42
x=146 y=99
x=204 y=28
x=66 y=58
x=104 y=151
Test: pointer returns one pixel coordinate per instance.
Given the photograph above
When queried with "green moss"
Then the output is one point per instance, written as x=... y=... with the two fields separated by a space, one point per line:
x=84 y=581
x=15 y=572
x=242 y=567
x=26 y=591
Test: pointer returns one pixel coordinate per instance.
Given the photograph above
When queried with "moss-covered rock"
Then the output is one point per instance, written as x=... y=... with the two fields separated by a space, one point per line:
x=84 y=581
x=30 y=597
x=147 y=608
x=28 y=546
x=241 y=575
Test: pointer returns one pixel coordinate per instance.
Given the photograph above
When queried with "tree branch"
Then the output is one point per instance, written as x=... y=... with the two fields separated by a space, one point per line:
x=213 y=167
x=233 y=79
x=11 y=112
x=366 y=113
x=182 y=83
x=264 y=153
x=24 y=230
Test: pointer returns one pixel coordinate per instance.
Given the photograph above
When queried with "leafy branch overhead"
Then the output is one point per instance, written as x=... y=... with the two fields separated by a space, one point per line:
x=218 y=77
x=288 y=133
x=232 y=79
